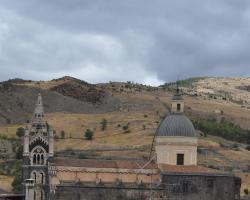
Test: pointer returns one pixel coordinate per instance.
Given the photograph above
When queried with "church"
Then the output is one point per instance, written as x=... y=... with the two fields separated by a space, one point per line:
x=171 y=174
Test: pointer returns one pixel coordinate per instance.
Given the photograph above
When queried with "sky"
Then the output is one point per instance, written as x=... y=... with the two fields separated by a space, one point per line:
x=143 y=41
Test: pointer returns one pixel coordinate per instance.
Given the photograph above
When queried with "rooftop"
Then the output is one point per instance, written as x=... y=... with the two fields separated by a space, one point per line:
x=176 y=125
x=95 y=163
x=133 y=164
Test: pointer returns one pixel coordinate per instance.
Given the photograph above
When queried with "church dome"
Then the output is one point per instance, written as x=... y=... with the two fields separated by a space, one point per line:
x=176 y=125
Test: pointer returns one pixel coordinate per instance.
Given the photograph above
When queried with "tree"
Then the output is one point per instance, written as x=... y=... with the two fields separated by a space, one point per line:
x=104 y=123
x=126 y=128
x=20 y=132
x=19 y=151
x=88 y=134
x=17 y=182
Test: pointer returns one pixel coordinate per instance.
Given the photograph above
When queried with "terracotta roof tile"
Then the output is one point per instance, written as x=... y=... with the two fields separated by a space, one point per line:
x=131 y=164
x=94 y=163
x=84 y=163
x=186 y=169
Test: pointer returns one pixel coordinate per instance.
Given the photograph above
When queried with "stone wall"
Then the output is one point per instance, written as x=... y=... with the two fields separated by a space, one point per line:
x=173 y=187
x=104 y=177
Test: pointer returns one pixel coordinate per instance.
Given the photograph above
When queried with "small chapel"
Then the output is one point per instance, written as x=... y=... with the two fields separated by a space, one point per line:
x=172 y=173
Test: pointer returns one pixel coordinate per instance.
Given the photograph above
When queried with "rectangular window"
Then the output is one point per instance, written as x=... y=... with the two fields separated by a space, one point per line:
x=178 y=107
x=180 y=159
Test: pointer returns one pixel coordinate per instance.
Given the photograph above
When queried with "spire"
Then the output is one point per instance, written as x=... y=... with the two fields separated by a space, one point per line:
x=39 y=111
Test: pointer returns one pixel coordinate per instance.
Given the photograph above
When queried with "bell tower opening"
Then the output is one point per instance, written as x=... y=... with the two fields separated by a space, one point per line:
x=177 y=105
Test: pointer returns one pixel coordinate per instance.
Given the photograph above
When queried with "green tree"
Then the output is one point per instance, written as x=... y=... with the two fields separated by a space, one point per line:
x=17 y=182
x=88 y=134
x=126 y=128
x=246 y=191
x=19 y=151
x=20 y=132
x=104 y=123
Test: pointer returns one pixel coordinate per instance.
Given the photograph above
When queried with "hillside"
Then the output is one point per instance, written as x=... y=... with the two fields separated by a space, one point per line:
x=67 y=95
x=233 y=89
x=141 y=108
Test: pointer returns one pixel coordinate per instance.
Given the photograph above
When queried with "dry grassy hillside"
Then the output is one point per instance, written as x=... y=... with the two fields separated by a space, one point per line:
x=232 y=89
x=141 y=108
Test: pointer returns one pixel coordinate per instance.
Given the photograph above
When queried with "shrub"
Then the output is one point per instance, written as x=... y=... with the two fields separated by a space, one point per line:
x=88 y=134
x=17 y=182
x=20 y=132
x=125 y=127
x=104 y=123
x=246 y=191
x=4 y=137
x=145 y=116
x=248 y=148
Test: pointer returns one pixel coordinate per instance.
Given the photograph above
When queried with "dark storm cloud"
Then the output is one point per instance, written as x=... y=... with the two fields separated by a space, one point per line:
x=138 y=40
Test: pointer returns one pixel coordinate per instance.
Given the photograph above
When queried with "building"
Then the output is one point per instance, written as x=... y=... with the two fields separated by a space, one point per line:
x=172 y=173
x=37 y=154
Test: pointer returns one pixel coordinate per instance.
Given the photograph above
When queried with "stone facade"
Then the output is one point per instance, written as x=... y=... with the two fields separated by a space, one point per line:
x=172 y=187
x=168 y=148
x=38 y=151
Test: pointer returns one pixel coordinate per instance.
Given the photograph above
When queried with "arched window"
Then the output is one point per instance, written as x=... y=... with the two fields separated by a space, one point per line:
x=34 y=175
x=34 y=159
x=42 y=159
x=42 y=178
x=38 y=159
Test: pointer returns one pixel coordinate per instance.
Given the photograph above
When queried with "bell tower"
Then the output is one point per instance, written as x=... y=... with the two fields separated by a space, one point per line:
x=177 y=105
x=38 y=151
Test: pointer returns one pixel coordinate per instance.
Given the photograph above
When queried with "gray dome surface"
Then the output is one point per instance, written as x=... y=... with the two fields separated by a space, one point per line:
x=176 y=125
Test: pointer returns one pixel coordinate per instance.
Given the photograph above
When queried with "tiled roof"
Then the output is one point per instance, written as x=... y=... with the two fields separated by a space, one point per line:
x=132 y=164
x=94 y=163
x=176 y=125
x=186 y=169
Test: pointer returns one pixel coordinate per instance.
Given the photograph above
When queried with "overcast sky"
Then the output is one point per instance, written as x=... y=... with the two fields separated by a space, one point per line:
x=146 y=41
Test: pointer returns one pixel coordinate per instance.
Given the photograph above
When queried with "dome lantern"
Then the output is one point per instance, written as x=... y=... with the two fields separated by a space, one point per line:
x=176 y=138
